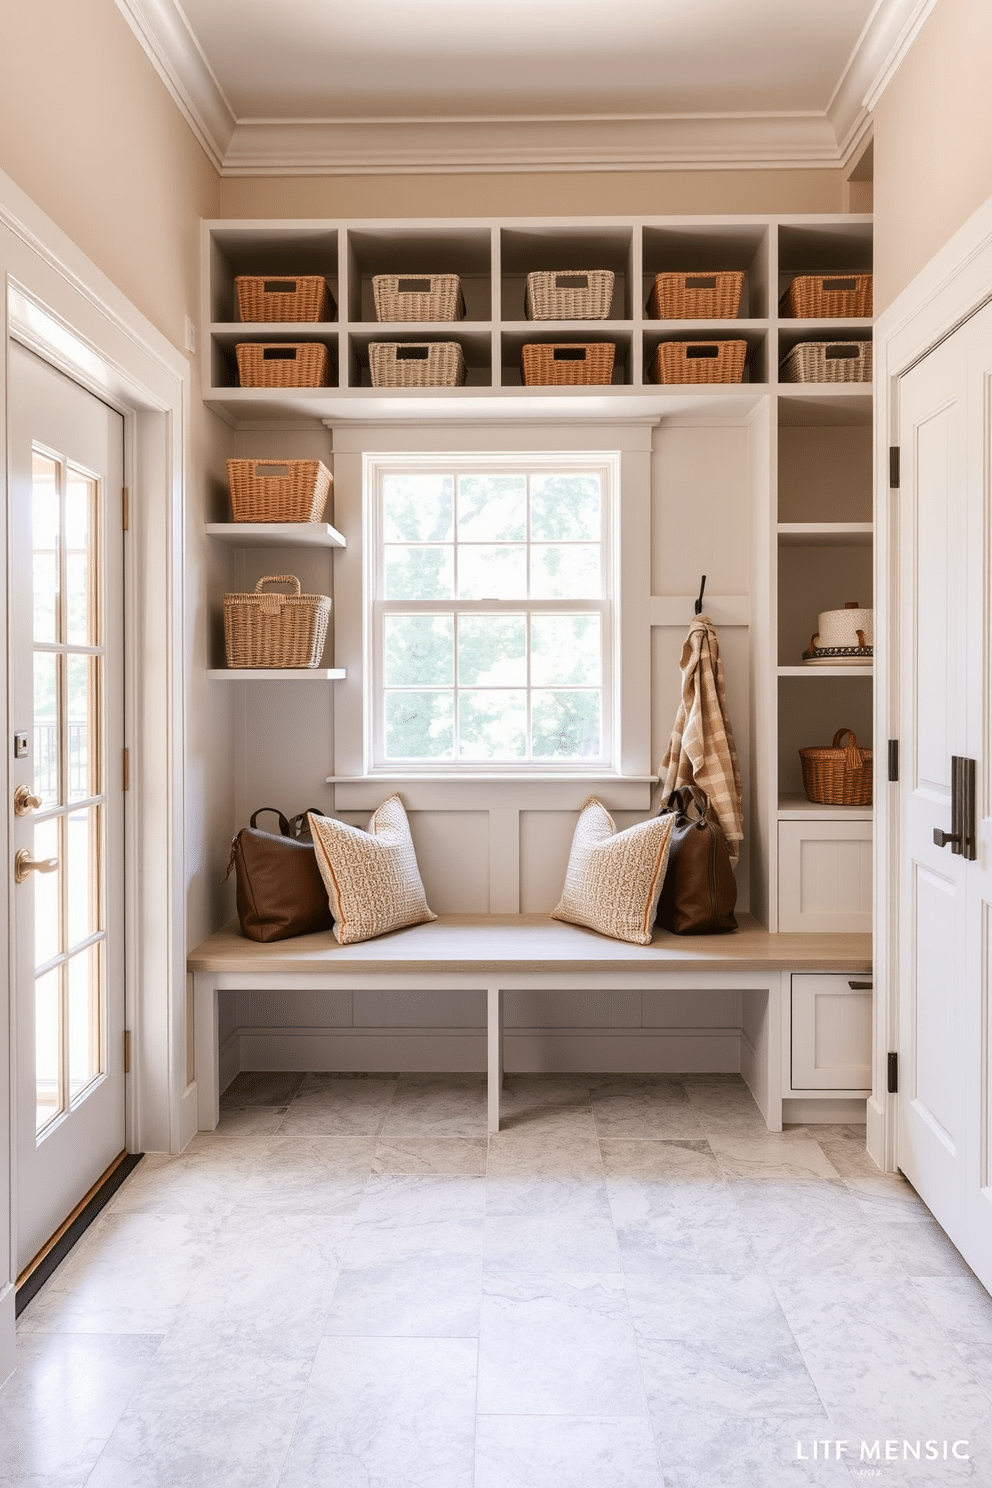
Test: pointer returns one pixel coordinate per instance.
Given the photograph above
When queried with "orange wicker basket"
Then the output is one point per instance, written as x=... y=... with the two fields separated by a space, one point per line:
x=278 y=490
x=827 y=295
x=838 y=776
x=699 y=361
x=283 y=364
x=275 y=297
x=700 y=296
x=567 y=363
x=275 y=630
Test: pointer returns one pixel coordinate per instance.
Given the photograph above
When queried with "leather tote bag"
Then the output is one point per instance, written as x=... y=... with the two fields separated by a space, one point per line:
x=700 y=891
x=280 y=892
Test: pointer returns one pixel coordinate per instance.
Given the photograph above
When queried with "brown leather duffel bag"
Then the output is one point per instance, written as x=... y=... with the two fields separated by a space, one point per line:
x=700 y=891
x=280 y=892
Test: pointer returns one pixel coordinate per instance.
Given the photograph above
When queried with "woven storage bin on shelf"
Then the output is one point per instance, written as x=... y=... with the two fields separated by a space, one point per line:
x=283 y=363
x=828 y=361
x=568 y=364
x=275 y=630
x=827 y=296
x=416 y=364
x=699 y=361
x=838 y=776
x=572 y=294
x=715 y=296
x=418 y=297
x=278 y=490
x=282 y=297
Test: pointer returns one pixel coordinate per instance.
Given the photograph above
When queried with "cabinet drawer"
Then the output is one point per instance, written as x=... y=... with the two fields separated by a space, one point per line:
x=824 y=875
x=831 y=1031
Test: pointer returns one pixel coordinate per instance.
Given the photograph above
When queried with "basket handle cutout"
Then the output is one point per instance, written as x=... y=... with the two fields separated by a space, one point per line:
x=839 y=286
x=571 y=281
x=413 y=286
x=278 y=353
x=568 y=354
x=279 y=286
x=848 y=353
x=272 y=471
x=412 y=353
x=706 y=281
x=701 y=351
x=279 y=579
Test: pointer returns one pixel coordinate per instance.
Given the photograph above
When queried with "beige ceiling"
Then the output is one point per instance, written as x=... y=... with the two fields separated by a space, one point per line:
x=575 y=84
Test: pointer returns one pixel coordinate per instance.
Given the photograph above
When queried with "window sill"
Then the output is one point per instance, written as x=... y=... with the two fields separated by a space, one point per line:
x=493 y=790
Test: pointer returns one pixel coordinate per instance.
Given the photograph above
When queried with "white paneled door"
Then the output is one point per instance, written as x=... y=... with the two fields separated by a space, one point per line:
x=67 y=810
x=945 y=792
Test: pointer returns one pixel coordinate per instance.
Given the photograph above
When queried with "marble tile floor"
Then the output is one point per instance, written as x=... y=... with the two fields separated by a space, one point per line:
x=348 y=1285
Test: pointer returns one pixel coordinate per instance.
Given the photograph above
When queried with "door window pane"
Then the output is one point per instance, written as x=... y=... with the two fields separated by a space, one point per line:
x=83 y=702
x=84 y=974
x=47 y=1047
x=46 y=718
x=45 y=542
x=81 y=610
x=47 y=894
x=83 y=867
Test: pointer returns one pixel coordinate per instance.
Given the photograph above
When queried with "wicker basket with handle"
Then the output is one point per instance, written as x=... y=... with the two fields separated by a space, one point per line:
x=278 y=490
x=715 y=296
x=279 y=297
x=578 y=294
x=840 y=775
x=275 y=630
x=283 y=363
x=418 y=297
x=823 y=296
x=699 y=361
x=568 y=364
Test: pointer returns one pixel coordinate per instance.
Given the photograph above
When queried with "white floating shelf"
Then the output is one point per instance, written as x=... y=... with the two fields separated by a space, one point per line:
x=277 y=534
x=825 y=671
x=277 y=674
x=825 y=534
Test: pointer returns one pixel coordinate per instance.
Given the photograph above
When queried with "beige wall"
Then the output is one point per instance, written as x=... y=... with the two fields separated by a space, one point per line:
x=92 y=135
x=933 y=143
x=621 y=193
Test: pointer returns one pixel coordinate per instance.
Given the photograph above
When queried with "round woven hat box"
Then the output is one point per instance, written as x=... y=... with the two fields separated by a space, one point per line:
x=851 y=626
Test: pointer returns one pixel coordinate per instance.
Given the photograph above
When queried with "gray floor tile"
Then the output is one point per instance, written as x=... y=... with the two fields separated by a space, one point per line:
x=339 y=1106
x=261 y=1088
x=566 y=1452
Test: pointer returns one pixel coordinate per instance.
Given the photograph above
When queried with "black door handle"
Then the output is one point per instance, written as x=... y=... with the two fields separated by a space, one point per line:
x=963 y=836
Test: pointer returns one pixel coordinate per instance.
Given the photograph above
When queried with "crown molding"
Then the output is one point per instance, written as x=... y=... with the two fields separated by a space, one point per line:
x=458 y=145
x=168 y=42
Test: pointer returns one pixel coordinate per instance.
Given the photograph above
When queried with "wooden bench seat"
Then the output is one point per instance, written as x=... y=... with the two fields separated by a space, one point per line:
x=497 y=953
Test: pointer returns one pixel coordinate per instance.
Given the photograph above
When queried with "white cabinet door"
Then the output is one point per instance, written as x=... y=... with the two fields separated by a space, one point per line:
x=944 y=900
x=824 y=875
x=831 y=1032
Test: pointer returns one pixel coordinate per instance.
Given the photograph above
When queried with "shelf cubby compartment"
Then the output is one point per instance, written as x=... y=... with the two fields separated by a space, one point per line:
x=703 y=247
x=475 y=341
x=824 y=461
x=826 y=247
x=417 y=249
x=266 y=248
x=565 y=248
x=816 y=576
x=225 y=339
x=548 y=332
x=756 y=336
x=813 y=703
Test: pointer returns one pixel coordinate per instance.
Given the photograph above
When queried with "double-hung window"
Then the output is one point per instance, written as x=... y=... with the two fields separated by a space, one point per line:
x=493 y=624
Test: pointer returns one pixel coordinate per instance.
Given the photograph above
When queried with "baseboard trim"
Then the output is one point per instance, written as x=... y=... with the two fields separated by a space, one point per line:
x=845 y=1110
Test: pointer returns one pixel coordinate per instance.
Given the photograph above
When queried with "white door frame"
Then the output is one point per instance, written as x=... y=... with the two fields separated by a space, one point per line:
x=59 y=305
x=954 y=285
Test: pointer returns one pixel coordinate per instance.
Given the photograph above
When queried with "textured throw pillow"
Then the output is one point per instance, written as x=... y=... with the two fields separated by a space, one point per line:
x=373 y=882
x=614 y=878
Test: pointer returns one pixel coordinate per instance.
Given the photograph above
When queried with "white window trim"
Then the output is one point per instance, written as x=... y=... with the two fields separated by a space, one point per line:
x=626 y=783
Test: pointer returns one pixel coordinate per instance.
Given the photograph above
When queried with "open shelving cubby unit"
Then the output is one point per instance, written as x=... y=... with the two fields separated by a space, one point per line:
x=810 y=489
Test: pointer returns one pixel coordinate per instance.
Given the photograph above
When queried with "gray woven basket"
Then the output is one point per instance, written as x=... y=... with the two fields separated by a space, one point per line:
x=416 y=364
x=828 y=361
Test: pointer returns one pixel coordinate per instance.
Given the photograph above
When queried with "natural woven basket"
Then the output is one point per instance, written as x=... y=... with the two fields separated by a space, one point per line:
x=574 y=294
x=274 y=297
x=278 y=490
x=838 y=776
x=568 y=363
x=283 y=363
x=275 y=630
x=828 y=361
x=827 y=295
x=699 y=361
x=418 y=297
x=416 y=364
x=715 y=296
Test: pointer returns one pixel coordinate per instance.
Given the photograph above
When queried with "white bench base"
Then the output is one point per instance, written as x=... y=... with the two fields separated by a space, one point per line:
x=496 y=954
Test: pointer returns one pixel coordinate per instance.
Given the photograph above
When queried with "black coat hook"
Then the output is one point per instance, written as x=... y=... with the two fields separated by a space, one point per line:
x=699 y=601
